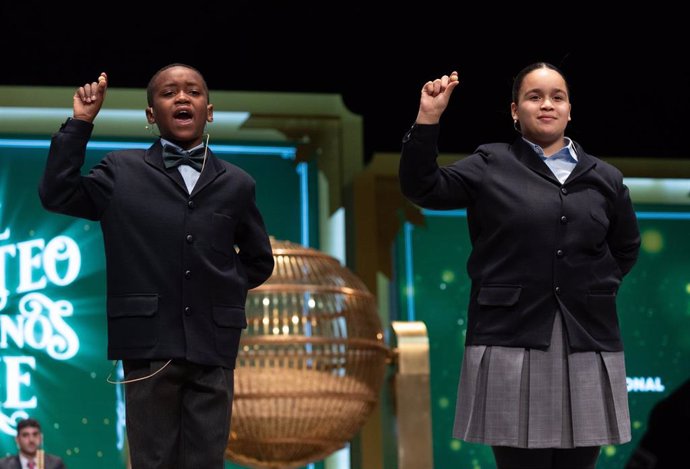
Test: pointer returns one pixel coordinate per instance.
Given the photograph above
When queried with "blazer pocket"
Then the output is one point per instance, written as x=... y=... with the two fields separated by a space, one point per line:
x=597 y=207
x=499 y=295
x=223 y=233
x=602 y=314
x=229 y=321
x=496 y=303
x=132 y=320
x=132 y=305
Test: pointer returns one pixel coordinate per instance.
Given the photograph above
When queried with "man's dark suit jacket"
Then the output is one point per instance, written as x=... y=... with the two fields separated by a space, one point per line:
x=537 y=245
x=178 y=265
x=13 y=462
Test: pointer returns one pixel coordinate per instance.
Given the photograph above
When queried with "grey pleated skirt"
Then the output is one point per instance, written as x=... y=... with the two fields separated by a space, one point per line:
x=530 y=398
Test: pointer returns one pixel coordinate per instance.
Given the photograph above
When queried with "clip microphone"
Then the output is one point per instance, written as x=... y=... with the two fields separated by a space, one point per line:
x=208 y=135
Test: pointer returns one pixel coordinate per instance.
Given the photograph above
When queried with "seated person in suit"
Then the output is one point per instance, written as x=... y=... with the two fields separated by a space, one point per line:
x=30 y=456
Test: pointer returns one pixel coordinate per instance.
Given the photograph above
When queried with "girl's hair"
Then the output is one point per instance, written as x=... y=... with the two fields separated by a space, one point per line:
x=517 y=82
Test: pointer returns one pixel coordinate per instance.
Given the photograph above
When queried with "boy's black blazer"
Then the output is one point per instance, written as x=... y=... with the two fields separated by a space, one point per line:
x=178 y=265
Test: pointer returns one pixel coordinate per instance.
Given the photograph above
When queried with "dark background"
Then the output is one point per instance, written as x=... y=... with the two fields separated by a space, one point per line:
x=630 y=86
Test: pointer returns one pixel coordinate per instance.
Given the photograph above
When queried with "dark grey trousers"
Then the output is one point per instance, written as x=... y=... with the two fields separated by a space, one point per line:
x=178 y=418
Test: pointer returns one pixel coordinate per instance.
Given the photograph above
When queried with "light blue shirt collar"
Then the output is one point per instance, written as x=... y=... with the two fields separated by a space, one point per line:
x=563 y=153
x=560 y=163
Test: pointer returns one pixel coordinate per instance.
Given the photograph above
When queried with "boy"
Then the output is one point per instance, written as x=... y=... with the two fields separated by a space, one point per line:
x=184 y=241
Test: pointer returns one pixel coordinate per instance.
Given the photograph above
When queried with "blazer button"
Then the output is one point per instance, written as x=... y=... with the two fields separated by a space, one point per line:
x=558 y=290
x=559 y=253
x=189 y=238
x=564 y=190
x=564 y=220
x=188 y=310
x=191 y=204
x=188 y=274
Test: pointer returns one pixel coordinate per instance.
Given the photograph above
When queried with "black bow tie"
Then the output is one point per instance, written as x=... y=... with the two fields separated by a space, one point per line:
x=173 y=156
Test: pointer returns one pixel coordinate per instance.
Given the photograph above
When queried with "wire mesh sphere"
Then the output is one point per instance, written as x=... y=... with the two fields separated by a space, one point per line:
x=311 y=362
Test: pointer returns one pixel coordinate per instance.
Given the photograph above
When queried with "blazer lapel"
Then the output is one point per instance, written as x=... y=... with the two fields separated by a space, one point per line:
x=212 y=169
x=584 y=163
x=529 y=158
